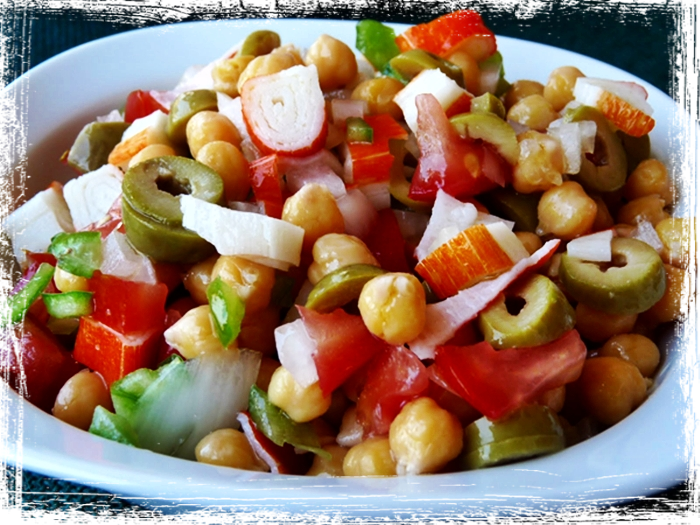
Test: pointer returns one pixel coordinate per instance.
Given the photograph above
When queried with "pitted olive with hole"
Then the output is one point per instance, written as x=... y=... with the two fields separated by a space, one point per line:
x=545 y=315
x=521 y=208
x=184 y=108
x=633 y=282
x=605 y=169
x=260 y=43
x=489 y=128
x=410 y=63
x=93 y=144
x=151 y=207
x=533 y=430
x=341 y=286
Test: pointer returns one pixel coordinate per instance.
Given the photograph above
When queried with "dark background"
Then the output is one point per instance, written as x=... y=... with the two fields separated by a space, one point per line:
x=636 y=38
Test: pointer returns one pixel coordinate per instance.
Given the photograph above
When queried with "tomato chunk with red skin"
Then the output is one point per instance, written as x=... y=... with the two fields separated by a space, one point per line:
x=267 y=185
x=497 y=382
x=114 y=354
x=343 y=345
x=459 y=166
x=140 y=104
x=128 y=306
x=395 y=377
x=47 y=364
x=387 y=244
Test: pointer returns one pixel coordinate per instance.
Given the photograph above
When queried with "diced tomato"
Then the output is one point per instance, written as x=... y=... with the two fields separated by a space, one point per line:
x=497 y=382
x=267 y=184
x=395 y=377
x=112 y=353
x=463 y=29
x=462 y=105
x=448 y=161
x=47 y=365
x=140 y=104
x=128 y=306
x=343 y=345
x=387 y=244
x=372 y=162
x=173 y=315
x=450 y=401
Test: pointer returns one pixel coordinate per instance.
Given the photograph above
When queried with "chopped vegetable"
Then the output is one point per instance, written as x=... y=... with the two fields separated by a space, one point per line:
x=23 y=299
x=140 y=104
x=358 y=130
x=227 y=310
x=376 y=42
x=68 y=304
x=77 y=253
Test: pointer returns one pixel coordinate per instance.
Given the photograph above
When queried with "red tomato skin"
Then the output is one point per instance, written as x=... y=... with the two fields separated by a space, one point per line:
x=140 y=104
x=387 y=244
x=47 y=364
x=114 y=354
x=343 y=345
x=128 y=306
x=395 y=377
x=448 y=161
x=266 y=184
x=497 y=382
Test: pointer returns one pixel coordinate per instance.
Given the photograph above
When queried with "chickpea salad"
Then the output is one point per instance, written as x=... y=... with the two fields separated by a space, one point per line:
x=380 y=261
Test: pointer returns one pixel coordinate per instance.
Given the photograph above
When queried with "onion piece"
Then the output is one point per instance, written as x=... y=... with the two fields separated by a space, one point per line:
x=358 y=213
x=378 y=194
x=295 y=350
x=341 y=110
x=121 y=260
x=596 y=247
x=646 y=232
x=321 y=168
x=576 y=138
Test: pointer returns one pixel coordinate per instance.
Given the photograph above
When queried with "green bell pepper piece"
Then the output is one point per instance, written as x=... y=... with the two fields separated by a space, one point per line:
x=376 y=42
x=22 y=300
x=227 y=309
x=78 y=253
x=68 y=304
x=113 y=426
x=358 y=130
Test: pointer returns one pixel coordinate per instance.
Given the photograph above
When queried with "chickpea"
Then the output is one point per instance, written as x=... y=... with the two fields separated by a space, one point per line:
x=566 y=211
x=193 y=334
x=600 y=326
x=253 y=282
x=151 y=152
x=470 y=70
x=674 y=303
x=649 y=208
x=379 y=94
x=228 y=447
x=350 y=432
x=675 y=234
x=521 y=89
x=559 y=89
x=530 y=240
x=197 y=279
x=393 y=307
x=637 y=349
x=228 y=161
x=412 y=437
x=331 y=467
x=78 y=398
x=333 y=251
x=258 y=330
x=269 y=64
x=540 y=165
x=648 y=178
x=534 y=112
x=314 y=209
x=67 y=282
x=209 y=126
x=227 y=73
x=609 y=388
x=267 y=368
x=301 y=404
x=334 y=60
x=372 y=457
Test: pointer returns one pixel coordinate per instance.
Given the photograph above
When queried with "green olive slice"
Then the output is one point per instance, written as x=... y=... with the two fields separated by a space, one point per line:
x=533 y=430
x=93 y=145
x=521 y=208
x=341 y=286
x=488 y=103
x=489 y=128
x=631 y=284
x=410 y=63
x=184 y=107
x=605 y=169
x=259 y=43
x=545 y=316
x=637 y=149
x=151 y=207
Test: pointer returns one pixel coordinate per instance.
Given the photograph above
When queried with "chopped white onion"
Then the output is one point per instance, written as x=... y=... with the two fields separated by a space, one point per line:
x=341 y=110
x=358 y=212
x=157 y=121
x=113 y=116
x=295 y=350
x=595 y=247
x=646 y=232
x=378 y=194
x=121 y=260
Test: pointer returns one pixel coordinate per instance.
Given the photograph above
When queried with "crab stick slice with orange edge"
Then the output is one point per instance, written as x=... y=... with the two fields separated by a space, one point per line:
x=143 y=132
x=480 y=252
x=462 y=30
x=285 y=112
x=623 y=103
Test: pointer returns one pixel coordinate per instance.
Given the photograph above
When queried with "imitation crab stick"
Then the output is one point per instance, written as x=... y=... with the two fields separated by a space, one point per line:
x=285 y=112
x=623 y=103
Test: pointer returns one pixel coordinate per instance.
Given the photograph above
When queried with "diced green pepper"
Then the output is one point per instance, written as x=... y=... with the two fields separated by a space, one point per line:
x=78 y=253
x=279 y=427
x=93 y=145
x=376 y=42
x=22 y=300
x=128 y=390
x=358 y=130
x=113 y=426
x=68 y=304
x=227 y=309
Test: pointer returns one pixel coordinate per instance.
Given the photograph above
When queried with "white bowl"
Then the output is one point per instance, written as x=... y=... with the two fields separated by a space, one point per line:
x=643 y=454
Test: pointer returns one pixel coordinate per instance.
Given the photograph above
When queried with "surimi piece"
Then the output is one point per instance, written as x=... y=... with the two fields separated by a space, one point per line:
x=443 y=319
x=32 y=225
x=256 y=237
x=285 y=112
x=623 y=103
x=90 y=196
